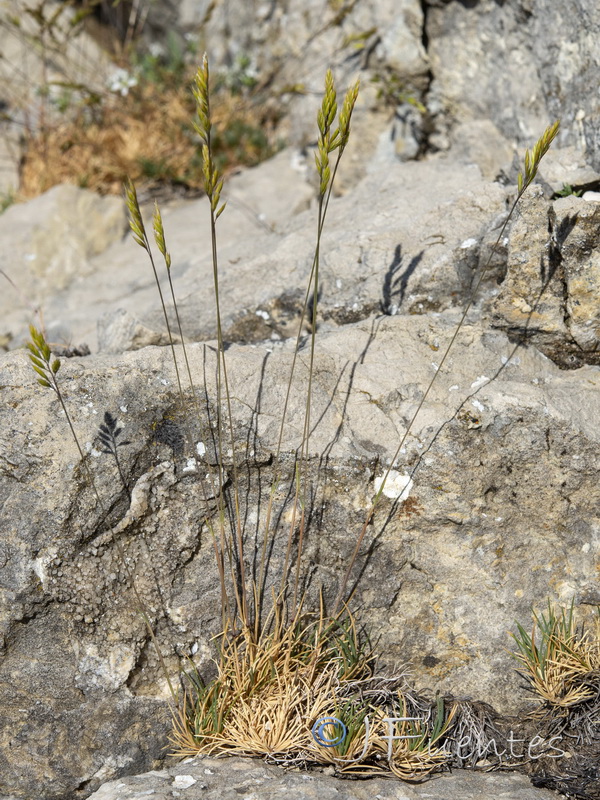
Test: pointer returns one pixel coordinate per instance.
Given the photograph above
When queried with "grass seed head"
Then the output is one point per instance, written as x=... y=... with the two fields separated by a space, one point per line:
x=159 y=235
x=136 y=223
x=346 y=115
x=533 y=158
x=201 y=96
x=40 y=355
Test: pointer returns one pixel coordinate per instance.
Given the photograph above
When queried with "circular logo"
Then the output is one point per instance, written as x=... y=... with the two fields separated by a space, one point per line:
x=321 y=735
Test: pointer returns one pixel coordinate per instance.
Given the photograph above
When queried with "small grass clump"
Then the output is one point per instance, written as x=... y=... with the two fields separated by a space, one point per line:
x=560 y=661
x=267 y=691
x=298 y=697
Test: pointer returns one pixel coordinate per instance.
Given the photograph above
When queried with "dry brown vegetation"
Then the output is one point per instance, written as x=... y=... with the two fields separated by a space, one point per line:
x=146 y=136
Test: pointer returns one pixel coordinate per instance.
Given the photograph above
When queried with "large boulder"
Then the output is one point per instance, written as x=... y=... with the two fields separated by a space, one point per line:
x=217 y=779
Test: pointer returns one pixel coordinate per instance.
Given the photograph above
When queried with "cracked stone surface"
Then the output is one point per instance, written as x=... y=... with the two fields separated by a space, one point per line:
x=550 y=294
x=518 y=64
x=492 y=504
x=501 y=513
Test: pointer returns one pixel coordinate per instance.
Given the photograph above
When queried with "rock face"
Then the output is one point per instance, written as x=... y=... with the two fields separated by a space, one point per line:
x=550 y=294
x=404 y=257
x=501 y=514
x=225 y=779
x=48 y=244
x=285 y=44
x=492 y=504
x=517 y=63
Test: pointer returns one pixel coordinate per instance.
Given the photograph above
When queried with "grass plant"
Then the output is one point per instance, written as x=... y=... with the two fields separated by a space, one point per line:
x=270 y=681
x=283 y=667
x=560 y=661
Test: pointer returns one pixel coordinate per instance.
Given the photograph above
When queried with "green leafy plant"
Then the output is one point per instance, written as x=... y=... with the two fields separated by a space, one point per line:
x=567 y=190
x=7 y=198
x=393 y=90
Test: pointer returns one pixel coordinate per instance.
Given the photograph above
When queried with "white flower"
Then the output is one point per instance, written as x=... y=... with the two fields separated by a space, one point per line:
x=121 y=82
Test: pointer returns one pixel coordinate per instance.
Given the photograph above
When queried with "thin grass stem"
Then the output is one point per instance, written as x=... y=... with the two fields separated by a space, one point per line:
x=531 y=166
x=40 y=356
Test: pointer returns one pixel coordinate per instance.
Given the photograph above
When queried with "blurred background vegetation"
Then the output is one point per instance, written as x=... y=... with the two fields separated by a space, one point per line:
x=87 y=98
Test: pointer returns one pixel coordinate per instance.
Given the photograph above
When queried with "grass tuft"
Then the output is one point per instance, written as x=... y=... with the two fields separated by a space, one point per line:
x=560 y=662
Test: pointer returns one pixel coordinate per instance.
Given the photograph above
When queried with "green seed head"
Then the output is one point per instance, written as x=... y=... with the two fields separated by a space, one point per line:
x=136 y=222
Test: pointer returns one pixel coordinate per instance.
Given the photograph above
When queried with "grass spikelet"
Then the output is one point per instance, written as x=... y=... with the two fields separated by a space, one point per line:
x=46 y=368
x=136 y=223
x=533 y=158
x=346 y=115
x=159 y=236
x=200 y=90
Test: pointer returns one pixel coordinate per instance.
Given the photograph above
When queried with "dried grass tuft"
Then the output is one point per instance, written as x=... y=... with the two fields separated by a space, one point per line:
x=268 y=692
x=560 y=660
x=305 y=694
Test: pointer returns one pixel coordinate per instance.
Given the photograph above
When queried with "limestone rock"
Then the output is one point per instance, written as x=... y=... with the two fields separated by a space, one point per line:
x=480 y=142
x=119 y=331
x=227 y=779
x=520 y=65
x=568 y=166
x=501 y=514
x=550 y=294
x=491 y=507
x=408 y=240
x=48 y=244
